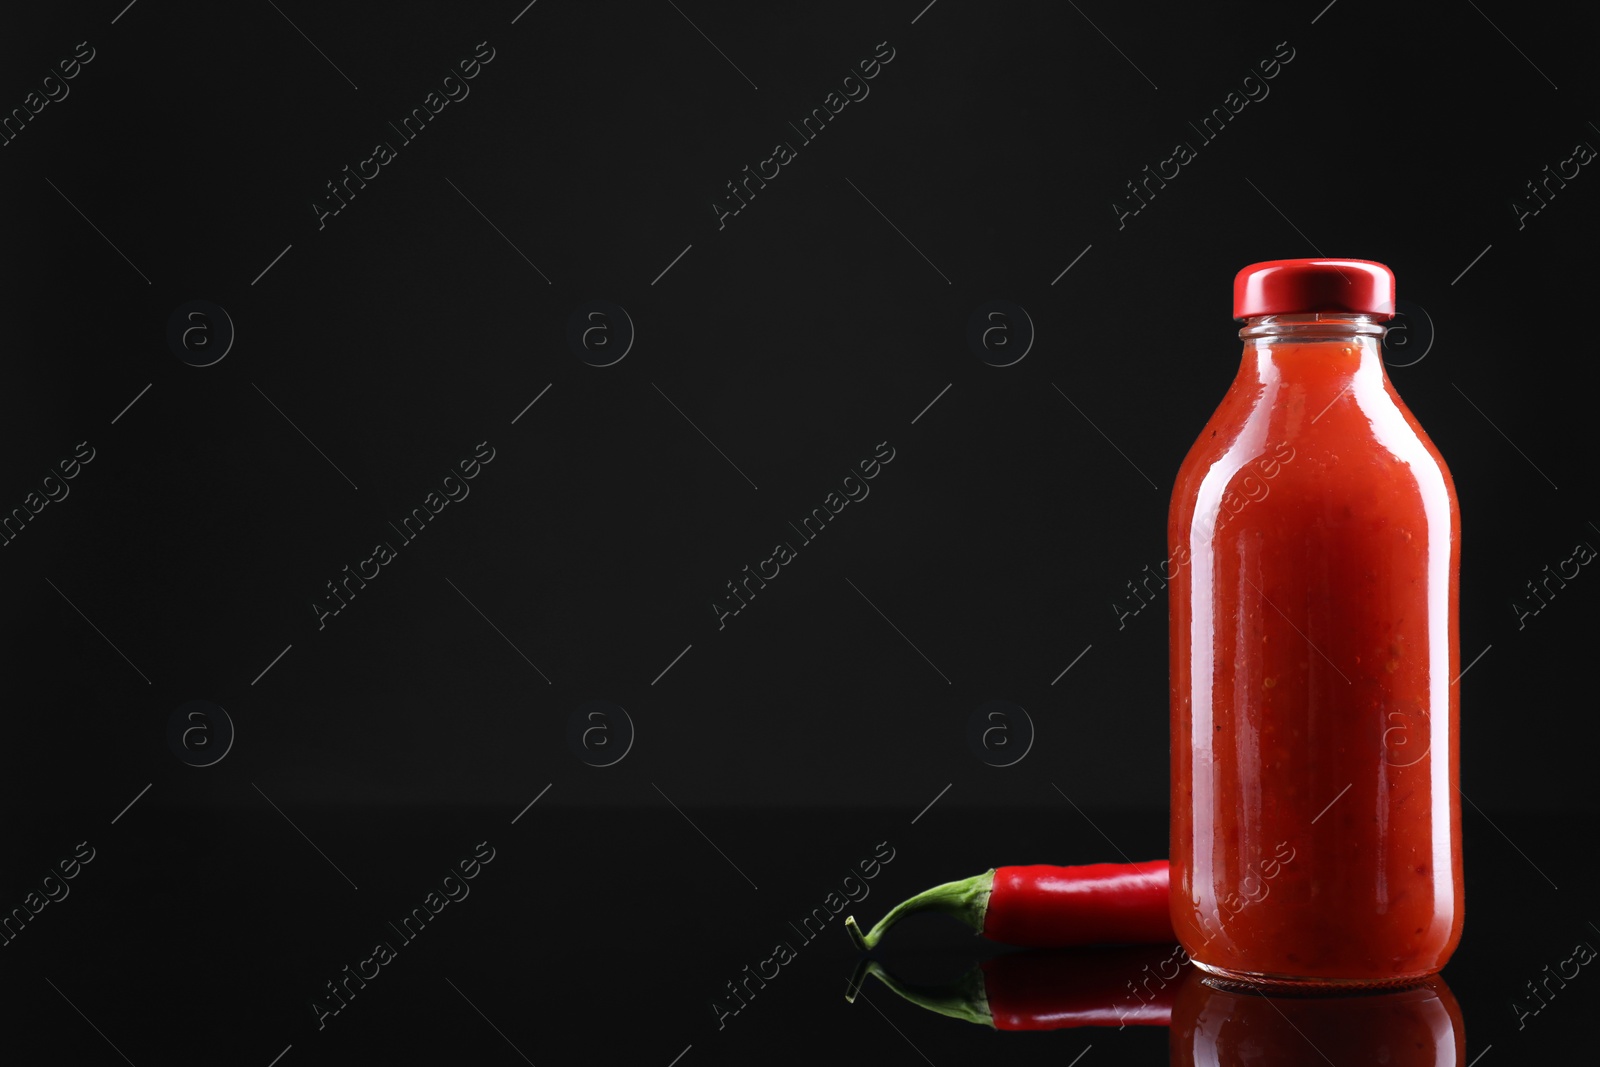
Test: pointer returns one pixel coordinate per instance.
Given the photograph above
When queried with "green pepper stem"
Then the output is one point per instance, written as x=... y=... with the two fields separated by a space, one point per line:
x=967 y=999
x=966 y=899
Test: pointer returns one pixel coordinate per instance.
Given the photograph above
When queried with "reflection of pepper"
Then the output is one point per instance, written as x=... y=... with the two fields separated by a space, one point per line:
x=1053 y=990
x=1049 y=907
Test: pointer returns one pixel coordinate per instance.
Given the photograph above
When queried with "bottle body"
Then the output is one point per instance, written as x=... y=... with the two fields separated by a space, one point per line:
x=1314 y=533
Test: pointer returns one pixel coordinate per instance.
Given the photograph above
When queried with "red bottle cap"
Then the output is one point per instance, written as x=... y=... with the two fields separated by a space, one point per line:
x=1302 y=286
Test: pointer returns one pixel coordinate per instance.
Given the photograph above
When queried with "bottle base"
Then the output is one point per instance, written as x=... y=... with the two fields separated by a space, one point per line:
x=1251 y=981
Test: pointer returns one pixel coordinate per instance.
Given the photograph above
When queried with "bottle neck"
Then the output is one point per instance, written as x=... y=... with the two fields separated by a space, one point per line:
x=1312 y=326
x=1314 y=343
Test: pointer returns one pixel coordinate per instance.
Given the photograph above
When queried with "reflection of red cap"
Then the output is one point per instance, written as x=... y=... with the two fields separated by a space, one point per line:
x=1301 y=286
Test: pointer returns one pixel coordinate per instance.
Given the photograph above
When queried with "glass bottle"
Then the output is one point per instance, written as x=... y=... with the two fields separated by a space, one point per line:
x=1314 y=532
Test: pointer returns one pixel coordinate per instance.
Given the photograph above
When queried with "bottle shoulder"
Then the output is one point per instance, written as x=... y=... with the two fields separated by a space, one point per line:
x=1319 y=450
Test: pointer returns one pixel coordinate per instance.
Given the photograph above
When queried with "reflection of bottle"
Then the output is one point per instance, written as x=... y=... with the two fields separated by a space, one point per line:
x=1220 y=1027
x=1314 y=533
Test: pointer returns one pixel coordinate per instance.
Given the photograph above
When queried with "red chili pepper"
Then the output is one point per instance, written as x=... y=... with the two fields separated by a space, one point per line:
x=1049 y=907
x=1053 y=990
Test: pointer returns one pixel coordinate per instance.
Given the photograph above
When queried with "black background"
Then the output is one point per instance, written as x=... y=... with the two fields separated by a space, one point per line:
x=772 y=355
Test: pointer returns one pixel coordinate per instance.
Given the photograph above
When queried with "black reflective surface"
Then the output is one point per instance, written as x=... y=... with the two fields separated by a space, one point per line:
x=610 y=935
